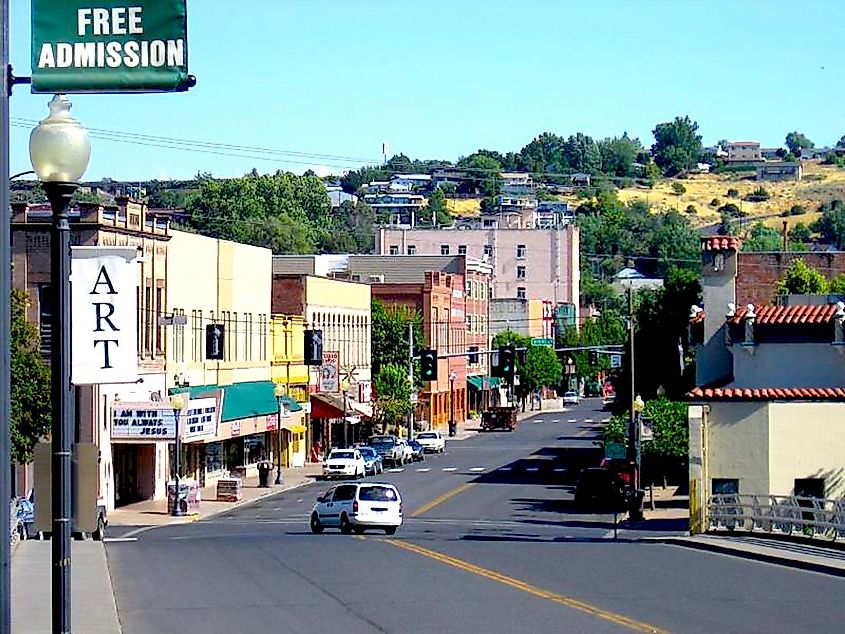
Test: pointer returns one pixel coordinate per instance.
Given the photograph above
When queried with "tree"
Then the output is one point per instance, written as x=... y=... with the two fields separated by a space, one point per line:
x=800 y=279
x=831 y=225
x=796 y=141
x=393 y=395
x=837 y=285
x=485 y=173
x=619 y=155
x=801 y=233
x=676 y=145
x=390 y=335
x=542 y=368
x=30 y=384
x=763 y=238
x=436 y=210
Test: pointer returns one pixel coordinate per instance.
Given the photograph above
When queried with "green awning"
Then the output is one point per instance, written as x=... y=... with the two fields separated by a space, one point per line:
x=478 y=382
x=243 y=400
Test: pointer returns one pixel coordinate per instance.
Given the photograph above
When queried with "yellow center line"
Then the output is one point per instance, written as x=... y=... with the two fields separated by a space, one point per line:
x=637 y=626
x=425 y=508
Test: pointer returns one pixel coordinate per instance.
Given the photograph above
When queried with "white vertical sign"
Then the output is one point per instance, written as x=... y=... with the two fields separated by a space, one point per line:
x=104 y=309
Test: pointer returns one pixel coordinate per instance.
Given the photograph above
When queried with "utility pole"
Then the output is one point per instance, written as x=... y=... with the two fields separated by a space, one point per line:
x=633 y=450
x=411 y=379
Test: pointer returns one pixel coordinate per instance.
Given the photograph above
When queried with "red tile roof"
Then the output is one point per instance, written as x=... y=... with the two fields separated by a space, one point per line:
x=720 y=243
x=802 y=314
x=766 y=394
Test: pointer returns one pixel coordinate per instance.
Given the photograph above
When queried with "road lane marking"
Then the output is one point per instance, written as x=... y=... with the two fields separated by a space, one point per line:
x=504 y=468
x=425 y=508
x=532 y=469
x=476 y=469
x=118 y=540
x=573 y=420
x=588 y=420
x=426 y=470
x=558 y=469
x=605 y=420
x=554 y=420
x=571 y=602
x=450 y=468
x=395 y=470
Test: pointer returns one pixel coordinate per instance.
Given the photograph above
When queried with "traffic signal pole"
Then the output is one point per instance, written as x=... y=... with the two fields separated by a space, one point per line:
x=411 y=379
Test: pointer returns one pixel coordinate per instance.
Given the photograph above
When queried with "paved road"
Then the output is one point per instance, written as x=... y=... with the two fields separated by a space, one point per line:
x=491 y=543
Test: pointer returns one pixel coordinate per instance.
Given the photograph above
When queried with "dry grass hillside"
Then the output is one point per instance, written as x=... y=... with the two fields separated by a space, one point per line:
x=821 y=183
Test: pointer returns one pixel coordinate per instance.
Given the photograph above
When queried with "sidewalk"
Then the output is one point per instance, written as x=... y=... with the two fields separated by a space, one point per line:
x=93 y=610
x=817 y=556
x=154 y=512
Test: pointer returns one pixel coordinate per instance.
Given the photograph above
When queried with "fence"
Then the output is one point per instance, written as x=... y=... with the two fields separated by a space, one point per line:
x=781 y=514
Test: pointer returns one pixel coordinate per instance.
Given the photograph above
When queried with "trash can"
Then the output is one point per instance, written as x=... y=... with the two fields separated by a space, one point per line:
x=264 y=469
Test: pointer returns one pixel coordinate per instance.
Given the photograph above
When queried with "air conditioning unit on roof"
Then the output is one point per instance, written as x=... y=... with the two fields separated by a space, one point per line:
x=377 y=279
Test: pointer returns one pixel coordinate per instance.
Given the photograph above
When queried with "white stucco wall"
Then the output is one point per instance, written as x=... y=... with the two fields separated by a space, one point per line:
x=738 y=445
x=807 y=440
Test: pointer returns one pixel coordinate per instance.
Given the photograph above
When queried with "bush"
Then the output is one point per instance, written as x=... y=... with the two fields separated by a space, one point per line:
x=733 y=193
x=691 y=209
x=758 y=195
x=797 y=210
x=730 y=210
x=678 y=188
x=715 y=202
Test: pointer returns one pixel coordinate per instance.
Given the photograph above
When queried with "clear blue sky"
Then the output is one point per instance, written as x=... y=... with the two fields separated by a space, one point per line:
x=442 y=78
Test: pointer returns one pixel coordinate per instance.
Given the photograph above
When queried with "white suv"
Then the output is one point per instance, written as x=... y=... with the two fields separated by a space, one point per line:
x=344 y=463
x=356 y=507
x=432 y=441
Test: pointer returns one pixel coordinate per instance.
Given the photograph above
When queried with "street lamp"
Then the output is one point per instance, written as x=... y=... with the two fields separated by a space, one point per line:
x=279 y=392
x=452 y=377
x=59 y=150
x=177 y=402
x=344 y=388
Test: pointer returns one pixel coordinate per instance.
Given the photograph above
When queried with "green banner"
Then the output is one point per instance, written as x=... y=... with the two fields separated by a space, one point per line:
x=113 y=46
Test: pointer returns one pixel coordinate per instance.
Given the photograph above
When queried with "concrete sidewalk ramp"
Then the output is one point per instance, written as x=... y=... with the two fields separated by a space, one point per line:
x=93 y=609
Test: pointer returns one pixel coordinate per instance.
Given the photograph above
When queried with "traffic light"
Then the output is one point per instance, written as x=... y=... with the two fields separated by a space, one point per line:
x=507 y=361
x=594 y=357
x=313 y=347
x=428 y=365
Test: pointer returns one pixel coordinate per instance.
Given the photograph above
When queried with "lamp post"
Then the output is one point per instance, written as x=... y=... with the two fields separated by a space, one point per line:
x=59 y=150
x=638 y=406
x=279 y=392
x=177 y=402
x=344 y=388
x=452 y=377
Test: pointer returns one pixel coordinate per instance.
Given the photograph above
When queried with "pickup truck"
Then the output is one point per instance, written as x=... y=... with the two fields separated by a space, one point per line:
x=389 y=448
x=498 y=418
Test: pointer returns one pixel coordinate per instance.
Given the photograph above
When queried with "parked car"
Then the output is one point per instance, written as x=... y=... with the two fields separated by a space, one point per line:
x=571 y=398
x=599 y=489
x=417 y=448
x=344 y=463
x=387 y=446
x=372 y=461
x=407 y=452
x=432 y=441
x=25 y=512
x=356 y=507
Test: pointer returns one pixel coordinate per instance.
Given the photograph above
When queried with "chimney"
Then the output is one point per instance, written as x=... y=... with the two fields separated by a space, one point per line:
x=838 y=320
x=750 y=317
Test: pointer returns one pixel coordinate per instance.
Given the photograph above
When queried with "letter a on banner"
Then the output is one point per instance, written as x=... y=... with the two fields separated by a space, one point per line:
x=104 y=322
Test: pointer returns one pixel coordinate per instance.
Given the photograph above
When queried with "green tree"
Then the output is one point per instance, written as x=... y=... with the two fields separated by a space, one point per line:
x=831 y=225
x=676 y=145
x=797 y=141
x=542 y=368
x=670 y=426
x=619 y=155
x=389 y=335
x=801 y=233
x=801 y=279
x=837 y=284
x=393 y=395
x=484 y=173
x=763 y=238
x=436 y=210
x=30 y=384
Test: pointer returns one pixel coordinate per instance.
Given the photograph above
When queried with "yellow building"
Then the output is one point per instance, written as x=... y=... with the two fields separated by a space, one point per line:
x=291 y=374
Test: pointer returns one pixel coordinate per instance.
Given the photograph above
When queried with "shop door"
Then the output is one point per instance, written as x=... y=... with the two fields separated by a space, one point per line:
x=126 y=469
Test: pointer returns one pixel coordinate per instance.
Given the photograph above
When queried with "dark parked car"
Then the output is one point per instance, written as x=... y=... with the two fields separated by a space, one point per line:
x=372 y=460
x=599 y=489
x=419 y=450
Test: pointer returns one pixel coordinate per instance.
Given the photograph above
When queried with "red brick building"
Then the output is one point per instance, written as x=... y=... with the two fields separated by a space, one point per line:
x=441 y=300
x=757 y=273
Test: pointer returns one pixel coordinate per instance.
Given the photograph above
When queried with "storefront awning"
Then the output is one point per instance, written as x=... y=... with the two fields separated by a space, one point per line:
x=242 y=400
x=364 y=409
x=479 y=382
x=331 y=406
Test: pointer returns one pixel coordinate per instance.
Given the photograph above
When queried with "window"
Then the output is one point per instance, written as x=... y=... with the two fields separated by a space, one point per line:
x=462 y=249
x=809 y=487
x=520 y=251
x=394 y=249
x=345 y=492
x=488 y=250
x=412 y=249
x=520 y=272
x=520 y=292
x=44 y=317
x=725 y=486
x=444 y=249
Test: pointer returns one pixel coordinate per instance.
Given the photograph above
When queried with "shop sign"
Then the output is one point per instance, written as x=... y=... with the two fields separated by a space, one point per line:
x=329 y=371
x=104 y=305
x=109 y=47
x=272 y=422
x=199 y=419
x=365 y=391
x=142 y=421
x=236 y=428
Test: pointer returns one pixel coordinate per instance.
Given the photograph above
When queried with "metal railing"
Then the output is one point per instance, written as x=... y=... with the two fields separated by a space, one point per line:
x=782 y=514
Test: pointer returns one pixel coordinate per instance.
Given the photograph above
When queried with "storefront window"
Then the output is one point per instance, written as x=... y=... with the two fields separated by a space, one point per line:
x=255 y=448
x=213 y=457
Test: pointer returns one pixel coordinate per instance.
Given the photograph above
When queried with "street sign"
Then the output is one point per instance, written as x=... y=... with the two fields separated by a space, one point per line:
x=78 y=48
x=614 y=450
x=646 y=429
x=616 y=361
x=542 y=341
x=215 y=337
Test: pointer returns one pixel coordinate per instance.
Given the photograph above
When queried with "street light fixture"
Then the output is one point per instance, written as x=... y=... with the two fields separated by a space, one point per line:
x=177 y=402
x=59 y=150
x=279 y=391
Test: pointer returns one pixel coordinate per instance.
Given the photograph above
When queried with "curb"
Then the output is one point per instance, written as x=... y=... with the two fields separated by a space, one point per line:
x=771 y=558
